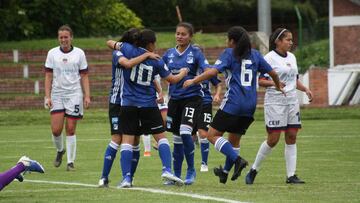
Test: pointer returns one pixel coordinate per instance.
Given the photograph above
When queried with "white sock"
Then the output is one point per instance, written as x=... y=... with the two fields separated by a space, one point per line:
x=290 y=158
x=264 y=150
x=147 y=142
x=236 y=150
x=71 y=148
x=58 y=142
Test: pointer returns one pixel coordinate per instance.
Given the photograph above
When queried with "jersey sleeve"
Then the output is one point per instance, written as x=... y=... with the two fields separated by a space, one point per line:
x=202 y=61
x=163 y=69
x=83 y=66
x=223 y=62
x=165 y=57
x=49 y=63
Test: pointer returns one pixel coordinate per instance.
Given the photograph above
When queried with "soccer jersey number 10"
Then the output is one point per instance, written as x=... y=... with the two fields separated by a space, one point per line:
x=141 y=74
x=246 y=75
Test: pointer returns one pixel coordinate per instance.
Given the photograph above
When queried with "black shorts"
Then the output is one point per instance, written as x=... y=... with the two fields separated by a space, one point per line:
x=183 y=111
x=225 y=122
x=204 y=118
x=137 y=121
x=114 y=118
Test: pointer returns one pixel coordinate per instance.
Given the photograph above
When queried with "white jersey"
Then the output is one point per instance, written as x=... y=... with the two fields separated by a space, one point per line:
x=66 y=68
x=287 y=70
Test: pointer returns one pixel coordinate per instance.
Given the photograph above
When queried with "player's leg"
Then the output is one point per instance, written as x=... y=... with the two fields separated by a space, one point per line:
x=113 y=146
x=135 y=158
x=235 y=142
x=147 y=145
x=24 y=164
x=203 y=123
x=57 y=123
x=294 y=124
x=173 y=121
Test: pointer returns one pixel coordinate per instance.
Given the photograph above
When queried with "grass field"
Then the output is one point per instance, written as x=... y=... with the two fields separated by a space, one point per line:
x=328 y=160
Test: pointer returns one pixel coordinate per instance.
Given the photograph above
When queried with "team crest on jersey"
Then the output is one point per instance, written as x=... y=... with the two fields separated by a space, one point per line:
x=288 y=64
x=65 y=60
x=190 y=57
x=217 y=62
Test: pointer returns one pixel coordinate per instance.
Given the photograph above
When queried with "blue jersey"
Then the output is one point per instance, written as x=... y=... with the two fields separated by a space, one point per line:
x=191 y=58
x=205 y=88
x=241 y=81
x=114 y=97
x=137 y=87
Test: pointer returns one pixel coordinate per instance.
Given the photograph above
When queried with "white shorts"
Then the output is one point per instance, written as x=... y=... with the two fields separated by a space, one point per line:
x=71 y=105
x=163 y=106
x=282 y=117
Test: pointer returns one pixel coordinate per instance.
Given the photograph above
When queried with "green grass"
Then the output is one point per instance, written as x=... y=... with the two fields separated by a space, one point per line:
x=164 y=40
x=328 y=160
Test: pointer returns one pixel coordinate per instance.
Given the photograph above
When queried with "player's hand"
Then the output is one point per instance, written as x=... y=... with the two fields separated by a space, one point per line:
x=309 y=94
x=47 y=103
x=282 y=84
x=154 y=56
x=87 y=102
x=281 y=90
x=160 y=99
x=188 y=83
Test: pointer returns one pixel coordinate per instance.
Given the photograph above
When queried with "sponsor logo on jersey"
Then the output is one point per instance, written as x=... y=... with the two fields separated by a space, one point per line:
x=65 y=60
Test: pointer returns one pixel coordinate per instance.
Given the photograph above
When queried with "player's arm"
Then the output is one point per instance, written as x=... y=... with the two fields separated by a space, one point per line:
x=48 y=82
x=176 y=78
x=206 y=75
x=130 y=63
x=300 y=86
x=217 y=97
x=158 y=88
x=278 y=85
x=112 y=44
x=85 y=87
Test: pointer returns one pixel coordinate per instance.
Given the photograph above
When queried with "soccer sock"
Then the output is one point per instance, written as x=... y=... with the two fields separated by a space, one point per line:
x=9 y=175
x=228 y=163
x=263 y=152
x=189 y=147
x=147 y=142
x=290 y=157
x=135 y=159
x=178 y=155
x=125 y=161
x=204 y=146
x=165 y=154
x=71 y=148
x=109 y=157
x=58 y=142
x=223 y=146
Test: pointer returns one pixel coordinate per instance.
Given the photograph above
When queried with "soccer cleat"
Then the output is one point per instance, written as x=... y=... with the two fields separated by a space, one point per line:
x=147 y=154
x=204 y=168
x=169 y=182
x=70 y=167
x=240 y=164
x=250 y=177
x=58 y=158
x=31 y=165
x=294 y=180
x=168 y=176
x=221 y=174
x=20 y=177
x=190 y=177
x=103 y=183
x=125 y=183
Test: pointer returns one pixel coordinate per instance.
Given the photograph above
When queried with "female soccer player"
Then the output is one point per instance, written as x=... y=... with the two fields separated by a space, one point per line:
x=184 y=103
x=240 y=64
x=130 y=37
x=67 y=91
x=139 y=111
x=281 y=113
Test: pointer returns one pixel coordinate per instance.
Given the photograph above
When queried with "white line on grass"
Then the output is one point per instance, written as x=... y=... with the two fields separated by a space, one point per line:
x=157 y=191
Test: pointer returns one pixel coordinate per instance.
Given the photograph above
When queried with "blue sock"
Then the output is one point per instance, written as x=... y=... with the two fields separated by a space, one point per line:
x=225 y=147
x=109 y=157
x=228 y=163
x=178 y=155
x=135 y=159
x=189 y=147
x=165 y=154
x=125 y=161
x=205 y=147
